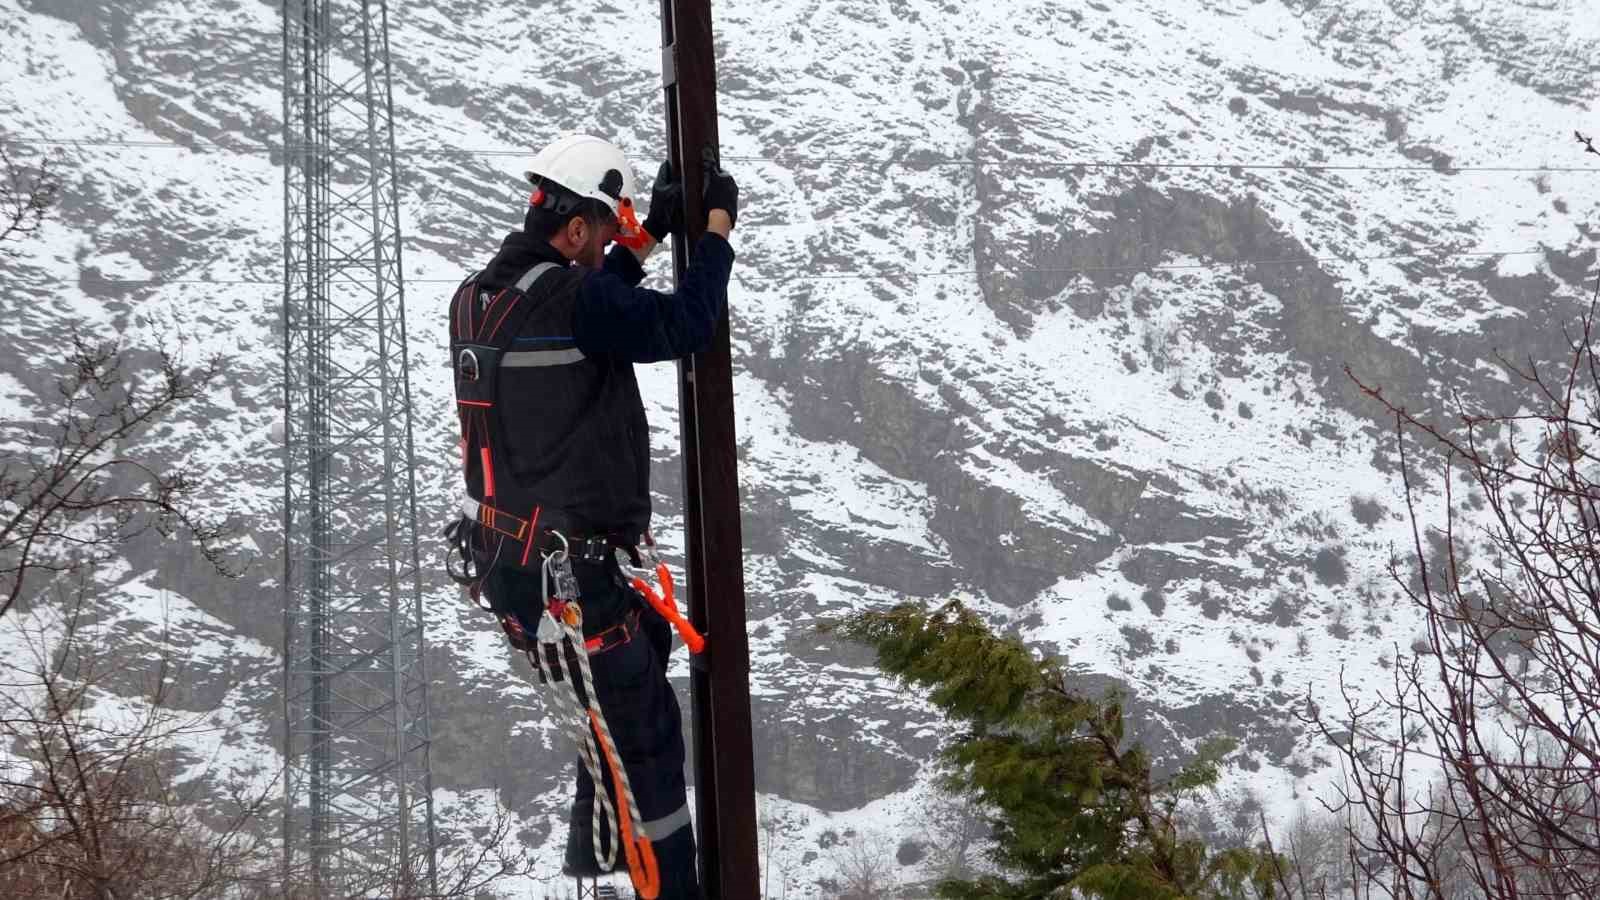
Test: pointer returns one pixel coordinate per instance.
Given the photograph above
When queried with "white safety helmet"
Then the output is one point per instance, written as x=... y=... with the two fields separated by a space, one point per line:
x=586 y=166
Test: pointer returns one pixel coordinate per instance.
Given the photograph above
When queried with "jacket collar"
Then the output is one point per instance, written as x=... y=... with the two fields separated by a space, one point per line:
x=519 y=252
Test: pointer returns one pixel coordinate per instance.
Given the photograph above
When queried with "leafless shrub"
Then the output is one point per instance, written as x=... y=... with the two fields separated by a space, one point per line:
x=99 y=800
x=774 y=831
x=954 y=828
x=95 y=798
x=1318 y=856
x=24 y=198
x=865 y=865
x=1475 y=773
x=77 y=496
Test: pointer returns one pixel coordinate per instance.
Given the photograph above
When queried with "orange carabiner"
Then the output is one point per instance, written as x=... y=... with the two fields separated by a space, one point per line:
x=668 y=608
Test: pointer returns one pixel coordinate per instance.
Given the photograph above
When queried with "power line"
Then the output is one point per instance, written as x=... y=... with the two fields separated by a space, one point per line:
x=1195 y=166
x=904 y=161
x=1185 y=267
x=907 y=273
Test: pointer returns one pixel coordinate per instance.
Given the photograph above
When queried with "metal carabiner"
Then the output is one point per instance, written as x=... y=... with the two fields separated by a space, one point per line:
x=664 y=602
x=565 y=552
x=629 y=571
x=647 y=550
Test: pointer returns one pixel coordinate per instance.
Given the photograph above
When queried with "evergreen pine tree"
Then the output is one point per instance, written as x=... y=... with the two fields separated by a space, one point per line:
x=1074 y=808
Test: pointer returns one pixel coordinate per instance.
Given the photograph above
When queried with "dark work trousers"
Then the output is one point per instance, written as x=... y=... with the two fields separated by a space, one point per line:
x=640 y=709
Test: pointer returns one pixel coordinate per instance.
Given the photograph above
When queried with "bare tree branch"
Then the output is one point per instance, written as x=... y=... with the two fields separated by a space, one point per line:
x=1499 y=696
x=78 y=497
x=24 y=198
x=103 y=808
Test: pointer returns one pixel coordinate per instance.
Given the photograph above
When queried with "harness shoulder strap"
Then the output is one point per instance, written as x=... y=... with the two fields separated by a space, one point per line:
x=461 y=308
x=534 y=274
x=496 y=310
x=553 y=350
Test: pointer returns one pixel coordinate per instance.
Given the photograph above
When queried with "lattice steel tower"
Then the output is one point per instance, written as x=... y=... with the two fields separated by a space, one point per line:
x=358 y=801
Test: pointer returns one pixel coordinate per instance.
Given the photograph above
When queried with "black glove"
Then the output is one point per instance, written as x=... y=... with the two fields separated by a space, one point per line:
x=722 y=192
x=666 y=204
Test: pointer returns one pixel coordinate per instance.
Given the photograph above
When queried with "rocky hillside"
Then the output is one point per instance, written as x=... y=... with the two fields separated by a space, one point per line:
x=1046 y=305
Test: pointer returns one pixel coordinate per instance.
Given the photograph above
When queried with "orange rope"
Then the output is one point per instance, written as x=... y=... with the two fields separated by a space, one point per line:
x=641 y=853
x=668 y=608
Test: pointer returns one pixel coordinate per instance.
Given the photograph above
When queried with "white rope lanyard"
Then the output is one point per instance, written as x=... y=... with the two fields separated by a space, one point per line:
x=559 y=635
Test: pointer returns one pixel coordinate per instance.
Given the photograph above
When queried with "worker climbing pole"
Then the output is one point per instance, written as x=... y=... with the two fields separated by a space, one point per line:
x=725 y=806
x=553 y=533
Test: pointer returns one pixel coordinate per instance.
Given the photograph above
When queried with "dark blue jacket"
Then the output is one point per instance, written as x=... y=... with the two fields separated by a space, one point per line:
x=616 y=317
x=575 y=439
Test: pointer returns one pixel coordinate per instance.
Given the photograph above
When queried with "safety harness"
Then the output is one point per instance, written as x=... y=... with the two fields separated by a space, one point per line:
x=503 y=529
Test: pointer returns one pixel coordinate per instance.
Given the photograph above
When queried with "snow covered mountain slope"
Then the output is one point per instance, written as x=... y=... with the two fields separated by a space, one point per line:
x=1045 y=305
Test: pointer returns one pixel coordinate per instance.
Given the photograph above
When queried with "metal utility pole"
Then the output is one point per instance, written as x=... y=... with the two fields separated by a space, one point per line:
x=725 y=801
x=358 y=798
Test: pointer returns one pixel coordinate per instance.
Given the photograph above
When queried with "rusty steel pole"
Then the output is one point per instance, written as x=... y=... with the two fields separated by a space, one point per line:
x=725 y=806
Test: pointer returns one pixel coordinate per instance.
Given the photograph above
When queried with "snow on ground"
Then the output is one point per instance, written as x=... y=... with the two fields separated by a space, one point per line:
x=839 y=143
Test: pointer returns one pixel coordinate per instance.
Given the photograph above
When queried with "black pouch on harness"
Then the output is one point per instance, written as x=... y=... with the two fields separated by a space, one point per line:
x=477 y=371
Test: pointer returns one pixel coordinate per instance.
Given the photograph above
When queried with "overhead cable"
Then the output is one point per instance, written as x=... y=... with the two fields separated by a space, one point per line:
x=900 y=274
x=903 y=161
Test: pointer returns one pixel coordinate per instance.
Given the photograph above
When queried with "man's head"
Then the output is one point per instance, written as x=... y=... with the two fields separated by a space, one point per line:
x=580 y=184
x=580 y=234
